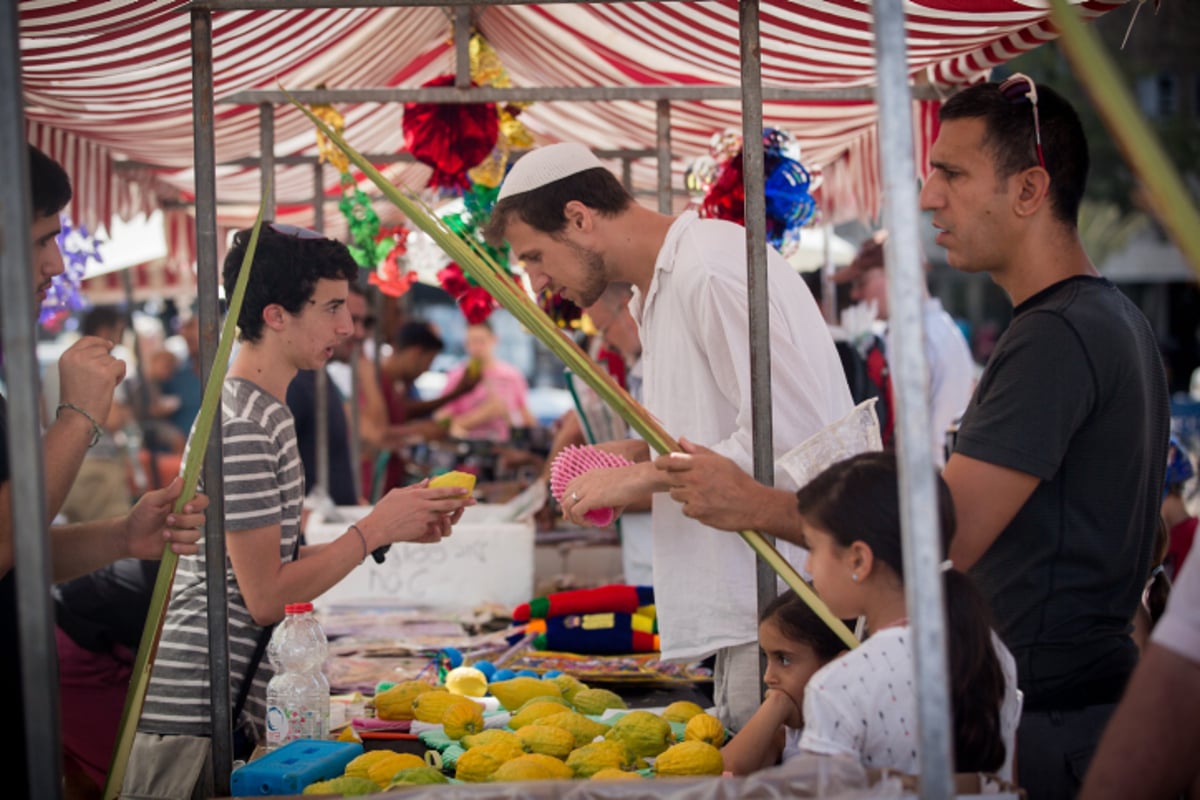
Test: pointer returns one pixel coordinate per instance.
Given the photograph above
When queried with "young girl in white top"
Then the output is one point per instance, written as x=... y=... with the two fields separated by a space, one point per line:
x=797 y=644
x=864 y=703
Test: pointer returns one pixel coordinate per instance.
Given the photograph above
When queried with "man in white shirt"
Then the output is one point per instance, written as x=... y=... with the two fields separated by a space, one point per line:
x=951 y=368
x=576 y=229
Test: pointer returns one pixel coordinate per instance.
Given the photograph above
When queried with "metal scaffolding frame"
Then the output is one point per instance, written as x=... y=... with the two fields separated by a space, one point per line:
x=919 y=511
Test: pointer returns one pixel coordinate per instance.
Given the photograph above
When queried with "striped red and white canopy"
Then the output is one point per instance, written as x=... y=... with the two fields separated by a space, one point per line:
x=110 y=81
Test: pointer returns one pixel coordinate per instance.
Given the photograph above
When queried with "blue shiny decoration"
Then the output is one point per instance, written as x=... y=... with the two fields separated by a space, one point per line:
x=452 y=656
x=502 y=675
x=527 y=673
x=78 y=248
x=486 y=667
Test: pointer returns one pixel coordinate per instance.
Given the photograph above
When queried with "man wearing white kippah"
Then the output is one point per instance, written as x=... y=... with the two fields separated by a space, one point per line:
x=575 y=229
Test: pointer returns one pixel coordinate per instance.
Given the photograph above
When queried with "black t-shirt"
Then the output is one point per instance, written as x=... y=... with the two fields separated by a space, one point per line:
x=302 y=400
x=1074 y=394
x=12 y=763
x=107 y=607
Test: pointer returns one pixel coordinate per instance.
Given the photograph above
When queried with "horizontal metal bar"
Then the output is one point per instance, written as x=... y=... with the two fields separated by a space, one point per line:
x=402 y=157
x=273 y=5
x=566 y=94
x=188 y=204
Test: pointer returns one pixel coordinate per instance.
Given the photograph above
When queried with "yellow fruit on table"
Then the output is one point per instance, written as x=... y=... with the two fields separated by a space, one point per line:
x=705 y=728
x=396 y=702
x=358 y=766
x=562 y=702
x=491 y=736
x=462 y=719
x=346 y=786
x=547 y=740
x=643 y=733
x=614 y=774
x=533 y=767
x=384 y=770
x=514 y=692
x=466 y=681
x=586 y=761
x=690 y=758
x=583 y=729
x=431 y=706
x=681 y=711
x=416 y=776
x=533 y=711
x=567 y=684
x=596 y=701
x=478 y=763
x=462 y=480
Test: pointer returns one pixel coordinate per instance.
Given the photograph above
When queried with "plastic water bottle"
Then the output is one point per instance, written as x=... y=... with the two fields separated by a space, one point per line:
x=298 y=693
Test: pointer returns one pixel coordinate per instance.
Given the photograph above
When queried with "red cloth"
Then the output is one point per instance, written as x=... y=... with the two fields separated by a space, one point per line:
x=91 y=690
x=394 y=476
x=1180 y=544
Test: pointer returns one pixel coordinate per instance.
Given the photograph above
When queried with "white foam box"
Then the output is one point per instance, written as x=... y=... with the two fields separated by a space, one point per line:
x=487 y=559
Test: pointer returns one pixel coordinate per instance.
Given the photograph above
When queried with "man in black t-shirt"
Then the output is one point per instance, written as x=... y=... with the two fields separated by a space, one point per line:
x=88 y=375
x=1058 y=466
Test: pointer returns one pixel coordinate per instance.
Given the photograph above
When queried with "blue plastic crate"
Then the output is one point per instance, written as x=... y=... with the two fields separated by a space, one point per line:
x=292 y=767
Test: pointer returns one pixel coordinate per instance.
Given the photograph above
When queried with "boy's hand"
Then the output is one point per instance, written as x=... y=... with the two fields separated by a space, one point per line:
x=151 y=523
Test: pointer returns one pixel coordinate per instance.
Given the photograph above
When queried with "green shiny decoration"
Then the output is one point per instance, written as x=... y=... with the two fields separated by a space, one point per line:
x=365 y=245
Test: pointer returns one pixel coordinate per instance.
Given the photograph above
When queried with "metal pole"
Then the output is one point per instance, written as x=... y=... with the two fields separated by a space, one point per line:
x=142 y=401
x=462 y=47
x=266 y=152
x=663 y=139
x=545 y=94
x=207 y=279
x=829 y=303
x=910 y=376
x=321 y=386
x=756 y=275
x=627 y=174
x=32 y=568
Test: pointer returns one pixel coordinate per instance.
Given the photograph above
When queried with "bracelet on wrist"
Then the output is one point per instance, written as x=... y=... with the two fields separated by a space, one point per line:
x=363 y=538
x=97 y=431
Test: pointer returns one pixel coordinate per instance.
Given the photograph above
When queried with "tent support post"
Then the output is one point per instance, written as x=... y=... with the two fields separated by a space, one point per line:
x=207 y=279
x=31 y=550
x=756 y=279
x=266 y=149
x=910 y=374
x=662 y=120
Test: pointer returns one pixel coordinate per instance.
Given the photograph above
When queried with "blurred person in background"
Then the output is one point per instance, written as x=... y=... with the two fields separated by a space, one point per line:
x=491 y=409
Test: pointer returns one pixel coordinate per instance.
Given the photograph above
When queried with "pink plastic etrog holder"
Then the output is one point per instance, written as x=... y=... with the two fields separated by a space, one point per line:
x=574 y=460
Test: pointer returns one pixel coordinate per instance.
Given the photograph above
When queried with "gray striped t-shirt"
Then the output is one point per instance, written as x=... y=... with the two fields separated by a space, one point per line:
x=264 y=485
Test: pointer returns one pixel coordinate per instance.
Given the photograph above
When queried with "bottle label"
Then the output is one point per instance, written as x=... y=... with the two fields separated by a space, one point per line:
x=277 y=727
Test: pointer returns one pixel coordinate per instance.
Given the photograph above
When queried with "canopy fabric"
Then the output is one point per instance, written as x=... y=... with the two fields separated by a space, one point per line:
x=110 y=81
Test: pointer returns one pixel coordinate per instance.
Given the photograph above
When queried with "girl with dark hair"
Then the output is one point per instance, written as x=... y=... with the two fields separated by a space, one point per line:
x=797 y=644
x=864 y=703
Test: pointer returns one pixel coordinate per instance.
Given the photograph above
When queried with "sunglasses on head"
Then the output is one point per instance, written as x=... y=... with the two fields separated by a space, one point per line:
x=285 y=229
x=1021 y=87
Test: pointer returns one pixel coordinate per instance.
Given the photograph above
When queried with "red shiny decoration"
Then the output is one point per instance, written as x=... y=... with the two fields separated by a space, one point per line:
x=726 y=199
x=453 y=281
x=393 y=286
x=476 y=304
x=451 y=138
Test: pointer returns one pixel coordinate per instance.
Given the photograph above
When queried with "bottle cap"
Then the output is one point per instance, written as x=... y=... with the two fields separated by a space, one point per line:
x=297 y=608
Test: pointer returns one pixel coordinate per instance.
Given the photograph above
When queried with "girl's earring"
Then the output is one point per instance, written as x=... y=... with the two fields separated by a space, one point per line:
x=854 y=577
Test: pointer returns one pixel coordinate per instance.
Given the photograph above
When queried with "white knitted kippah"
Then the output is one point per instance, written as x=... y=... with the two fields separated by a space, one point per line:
x=545 y=165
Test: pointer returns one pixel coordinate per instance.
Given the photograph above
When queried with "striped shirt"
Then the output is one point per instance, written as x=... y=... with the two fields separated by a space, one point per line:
x=264 y=485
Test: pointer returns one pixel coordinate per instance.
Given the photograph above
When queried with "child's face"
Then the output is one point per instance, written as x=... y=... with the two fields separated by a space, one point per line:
x=789 y=663
x=831 y=570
